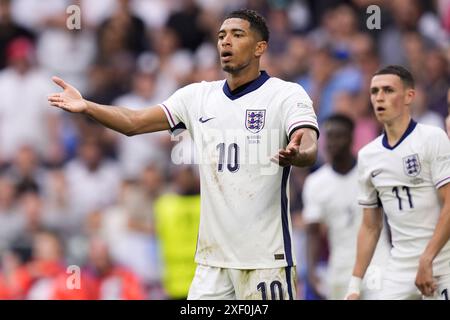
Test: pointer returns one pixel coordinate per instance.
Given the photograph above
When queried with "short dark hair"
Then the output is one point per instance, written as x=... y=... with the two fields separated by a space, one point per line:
x=342 y=119
x=257 y=22
x=399 y=71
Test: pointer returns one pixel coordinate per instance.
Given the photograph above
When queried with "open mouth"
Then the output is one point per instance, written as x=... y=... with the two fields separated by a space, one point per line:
x=226 y=55
x=380 y=109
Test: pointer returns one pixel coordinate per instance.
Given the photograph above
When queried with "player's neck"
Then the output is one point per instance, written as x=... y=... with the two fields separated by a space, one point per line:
x=235 y=80
x=395 y=130
x=344 y=163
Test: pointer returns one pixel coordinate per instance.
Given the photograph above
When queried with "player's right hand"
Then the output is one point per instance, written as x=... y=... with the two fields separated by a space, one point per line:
x=70 y=99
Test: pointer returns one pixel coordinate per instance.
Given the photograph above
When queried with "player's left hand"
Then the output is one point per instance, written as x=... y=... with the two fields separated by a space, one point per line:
x=424 y=279
x=292 y=154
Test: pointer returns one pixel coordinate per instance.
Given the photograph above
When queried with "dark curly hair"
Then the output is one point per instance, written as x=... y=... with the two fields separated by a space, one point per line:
x=257 y=22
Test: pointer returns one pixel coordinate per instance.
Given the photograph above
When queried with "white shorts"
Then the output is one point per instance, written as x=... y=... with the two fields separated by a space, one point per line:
x=398 y=289
x=212 y=283
x=372 y=283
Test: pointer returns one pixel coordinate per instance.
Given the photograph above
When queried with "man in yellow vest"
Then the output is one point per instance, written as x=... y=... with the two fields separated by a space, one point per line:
x=177 y=216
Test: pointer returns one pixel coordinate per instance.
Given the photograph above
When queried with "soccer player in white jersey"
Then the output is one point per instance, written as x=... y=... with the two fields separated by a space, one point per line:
x=406 y=171
x=244 y=248
x=330 y=200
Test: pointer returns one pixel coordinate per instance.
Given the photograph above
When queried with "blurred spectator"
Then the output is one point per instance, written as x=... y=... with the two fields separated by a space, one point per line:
x=206 y=66
x=14 y=279
x=422 y=114
x=409 y=16
x=102 y=83
x=128 y=228
x=175 y=64
x=177 y=216
x=35 y=279
x=31 y=208
x=328 y=76
x=414 y=47
x=154 y=13
x=120 y=39
x=294 y=61
x=95 y=12
x=34 y=14
x=280 y=31
x=26 y=170
x=443 y=8
x=57 y=45
x=45 y=276
x=437 y=81
x=93 y=181
x=121 y=34
x=134 y=153
x=47 y=264
x=31 y=121
x=359 y=110
x=11 y=222
x=111 y=280
x=363 y=54
x=57 y=214
x=9 y=30
x=186 y=22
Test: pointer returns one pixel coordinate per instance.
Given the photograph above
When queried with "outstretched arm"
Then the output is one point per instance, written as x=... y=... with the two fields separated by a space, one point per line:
x=441 y=235
x=368 y=236
x=126 y=121
x=301 y=150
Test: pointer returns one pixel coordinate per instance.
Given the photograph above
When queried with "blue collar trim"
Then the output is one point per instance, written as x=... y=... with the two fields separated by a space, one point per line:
x=245 y=88
x=411 y=126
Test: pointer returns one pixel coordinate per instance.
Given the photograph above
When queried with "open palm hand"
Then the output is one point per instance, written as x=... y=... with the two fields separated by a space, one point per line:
x=70 y=99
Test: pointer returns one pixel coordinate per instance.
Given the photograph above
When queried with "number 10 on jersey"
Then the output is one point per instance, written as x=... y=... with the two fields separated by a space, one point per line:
x=230 y=155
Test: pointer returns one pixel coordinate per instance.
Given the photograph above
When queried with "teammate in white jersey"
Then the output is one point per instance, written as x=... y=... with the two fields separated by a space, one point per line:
x=330 y=200
x=406 y=171
x=244 y=247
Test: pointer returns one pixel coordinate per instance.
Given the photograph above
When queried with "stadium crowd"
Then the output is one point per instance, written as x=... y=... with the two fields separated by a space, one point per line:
x=123 y=209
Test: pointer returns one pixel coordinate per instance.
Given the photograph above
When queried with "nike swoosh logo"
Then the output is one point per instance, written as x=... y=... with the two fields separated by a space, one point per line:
x=205 y=120
x=375 y=173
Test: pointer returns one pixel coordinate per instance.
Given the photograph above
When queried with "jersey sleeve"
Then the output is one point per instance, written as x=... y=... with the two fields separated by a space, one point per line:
x=312 y=204
x=367 y=194
x=176 y=108
x=439 y=155
x=299 y=112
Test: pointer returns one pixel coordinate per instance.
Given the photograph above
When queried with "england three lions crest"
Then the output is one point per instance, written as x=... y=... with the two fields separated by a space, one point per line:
x=254 y=120
x=411 y=165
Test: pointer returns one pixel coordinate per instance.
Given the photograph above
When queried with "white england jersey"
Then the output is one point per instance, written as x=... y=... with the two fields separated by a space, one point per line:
x=245 y=221
x=331 y=198
x=405 y=178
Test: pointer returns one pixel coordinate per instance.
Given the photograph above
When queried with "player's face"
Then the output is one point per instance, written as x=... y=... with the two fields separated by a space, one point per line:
x=390 y=98
x=338 y=139
x=238 y=45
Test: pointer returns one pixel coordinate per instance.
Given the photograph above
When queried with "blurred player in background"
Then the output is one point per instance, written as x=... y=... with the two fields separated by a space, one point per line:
x=177 y=215
x=244 y=248
x=329 y=196
x=406 y=172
